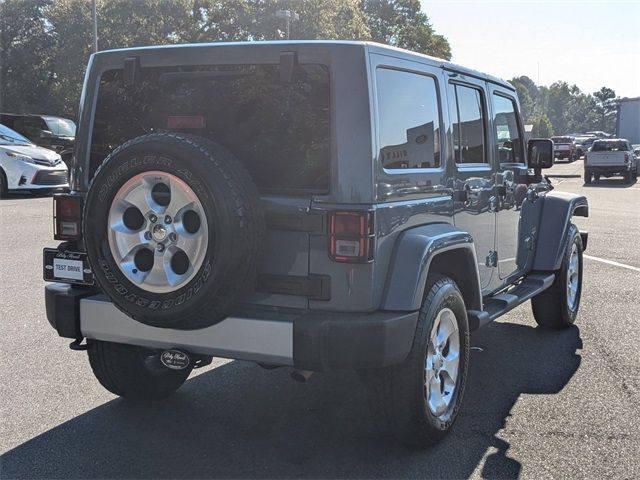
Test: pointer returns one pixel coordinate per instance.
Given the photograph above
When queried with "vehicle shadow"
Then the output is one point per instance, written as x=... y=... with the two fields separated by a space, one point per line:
x=239 y=421
x=18 y=195
x=610 y=183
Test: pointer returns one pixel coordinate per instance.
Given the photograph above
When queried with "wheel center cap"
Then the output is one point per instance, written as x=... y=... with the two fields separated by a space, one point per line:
x=159 y=233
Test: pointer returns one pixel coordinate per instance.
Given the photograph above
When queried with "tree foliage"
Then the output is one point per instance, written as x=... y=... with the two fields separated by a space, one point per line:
x=562 y=108
x=46 y=43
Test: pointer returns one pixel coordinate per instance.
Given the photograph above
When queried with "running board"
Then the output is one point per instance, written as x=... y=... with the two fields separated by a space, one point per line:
x=501 y=303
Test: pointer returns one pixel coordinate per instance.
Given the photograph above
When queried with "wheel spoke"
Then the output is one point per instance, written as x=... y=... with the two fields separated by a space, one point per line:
x=434 y=396
x=446 y=327
x=140 y=197
x=450 y=364
x=180 y=202
x=127 y=243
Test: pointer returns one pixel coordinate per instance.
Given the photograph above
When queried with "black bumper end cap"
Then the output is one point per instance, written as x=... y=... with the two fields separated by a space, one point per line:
x=325 y=341
x=62 y=302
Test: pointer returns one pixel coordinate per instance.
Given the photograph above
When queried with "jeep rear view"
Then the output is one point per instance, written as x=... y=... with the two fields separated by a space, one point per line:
x=313 y=205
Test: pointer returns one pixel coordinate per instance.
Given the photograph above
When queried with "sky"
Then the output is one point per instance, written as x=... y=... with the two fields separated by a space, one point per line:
x=590 y=43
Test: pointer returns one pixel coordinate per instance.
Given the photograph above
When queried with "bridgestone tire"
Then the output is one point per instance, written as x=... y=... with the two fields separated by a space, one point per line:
x=551 y=308
x=235 y=228
x=397 y=394
x=134 y=372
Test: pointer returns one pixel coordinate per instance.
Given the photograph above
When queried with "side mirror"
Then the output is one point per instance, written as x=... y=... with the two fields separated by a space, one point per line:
x=540 y=153
x=46 y=134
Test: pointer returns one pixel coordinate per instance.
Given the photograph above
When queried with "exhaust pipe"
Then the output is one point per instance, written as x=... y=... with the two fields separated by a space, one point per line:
x=301 y=375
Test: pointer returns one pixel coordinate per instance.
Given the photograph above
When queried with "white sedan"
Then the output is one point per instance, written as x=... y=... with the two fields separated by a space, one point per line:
x=25 y=166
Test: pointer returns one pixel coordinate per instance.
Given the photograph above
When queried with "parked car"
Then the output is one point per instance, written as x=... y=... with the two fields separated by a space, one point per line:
x=25 y=166
x=582 y=145
x=55 y=133
x=316 y=205
x=609 y=157
x=599 y=134
x=564 y=148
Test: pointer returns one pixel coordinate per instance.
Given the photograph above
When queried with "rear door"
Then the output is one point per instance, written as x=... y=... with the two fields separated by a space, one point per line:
x=508 y=149
x=475 y=203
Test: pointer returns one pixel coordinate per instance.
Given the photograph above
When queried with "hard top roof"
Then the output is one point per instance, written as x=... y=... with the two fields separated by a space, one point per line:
x=371 y=46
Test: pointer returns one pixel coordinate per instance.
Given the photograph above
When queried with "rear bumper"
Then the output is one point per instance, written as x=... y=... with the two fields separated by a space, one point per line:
x=317 y=341
x=609 y=169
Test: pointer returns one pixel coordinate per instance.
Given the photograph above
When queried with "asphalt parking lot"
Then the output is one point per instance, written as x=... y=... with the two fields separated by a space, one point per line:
x=538 y=404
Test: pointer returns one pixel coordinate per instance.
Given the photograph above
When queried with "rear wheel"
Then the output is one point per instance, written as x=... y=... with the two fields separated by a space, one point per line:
x=557 y=306
x=587 y=176
x=133 y=372
x=596 y=177
x=418 y=400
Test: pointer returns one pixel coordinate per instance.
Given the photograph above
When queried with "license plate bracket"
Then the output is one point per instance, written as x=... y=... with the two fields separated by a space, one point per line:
x=67 y=267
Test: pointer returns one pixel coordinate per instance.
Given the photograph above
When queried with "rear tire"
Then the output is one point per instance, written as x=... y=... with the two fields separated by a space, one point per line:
x=587 y=177
x=4 y=188
x=133 y=372
x=557 y=306
x=418 y=400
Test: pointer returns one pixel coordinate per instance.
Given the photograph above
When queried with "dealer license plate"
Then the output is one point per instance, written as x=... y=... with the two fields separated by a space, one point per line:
x=67 y=267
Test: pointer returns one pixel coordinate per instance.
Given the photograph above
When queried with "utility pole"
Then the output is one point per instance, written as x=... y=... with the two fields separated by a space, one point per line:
x=288 y=15
x=94 y=18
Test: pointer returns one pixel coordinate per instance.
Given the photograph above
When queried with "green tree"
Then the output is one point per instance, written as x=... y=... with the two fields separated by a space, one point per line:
x=605 y=103
x=542 y=127
x=402 y=23
x=25 y=55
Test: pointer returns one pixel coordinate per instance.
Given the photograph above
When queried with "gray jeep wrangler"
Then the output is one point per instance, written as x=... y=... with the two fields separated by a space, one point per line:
x=317 y=205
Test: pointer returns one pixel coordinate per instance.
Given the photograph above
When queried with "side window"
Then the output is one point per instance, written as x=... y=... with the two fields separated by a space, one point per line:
x=507 y=136
x=468 y=125
x=408 y=120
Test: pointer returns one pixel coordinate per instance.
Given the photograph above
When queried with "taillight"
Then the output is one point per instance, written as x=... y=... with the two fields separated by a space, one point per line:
x=67 y=216
x=351 y=236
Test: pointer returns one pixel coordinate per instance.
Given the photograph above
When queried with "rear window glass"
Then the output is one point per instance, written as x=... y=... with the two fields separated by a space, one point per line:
x=609 y=147
x=561 y=139
x=278 y=130
x=408 y=120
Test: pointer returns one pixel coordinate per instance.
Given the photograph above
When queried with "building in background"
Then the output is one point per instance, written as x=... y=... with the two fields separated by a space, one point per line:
x=628 y=121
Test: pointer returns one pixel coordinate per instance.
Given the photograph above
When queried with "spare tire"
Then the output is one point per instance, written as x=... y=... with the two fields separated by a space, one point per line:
x=173 y=228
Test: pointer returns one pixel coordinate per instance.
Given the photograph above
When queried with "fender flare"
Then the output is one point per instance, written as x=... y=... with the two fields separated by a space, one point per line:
x=411 y=263
x=555 y=218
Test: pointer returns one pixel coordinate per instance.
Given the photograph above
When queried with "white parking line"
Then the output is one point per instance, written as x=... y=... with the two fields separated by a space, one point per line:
x=611 y=262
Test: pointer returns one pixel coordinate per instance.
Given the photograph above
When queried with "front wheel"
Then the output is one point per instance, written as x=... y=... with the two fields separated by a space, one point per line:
x=133 y=372
x=418 y=400
x=557 y=306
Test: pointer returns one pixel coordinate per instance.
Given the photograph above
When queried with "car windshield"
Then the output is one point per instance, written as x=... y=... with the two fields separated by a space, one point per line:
x=9 y=137
x=558 y=140
x=61 y=127
x=609 y=147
